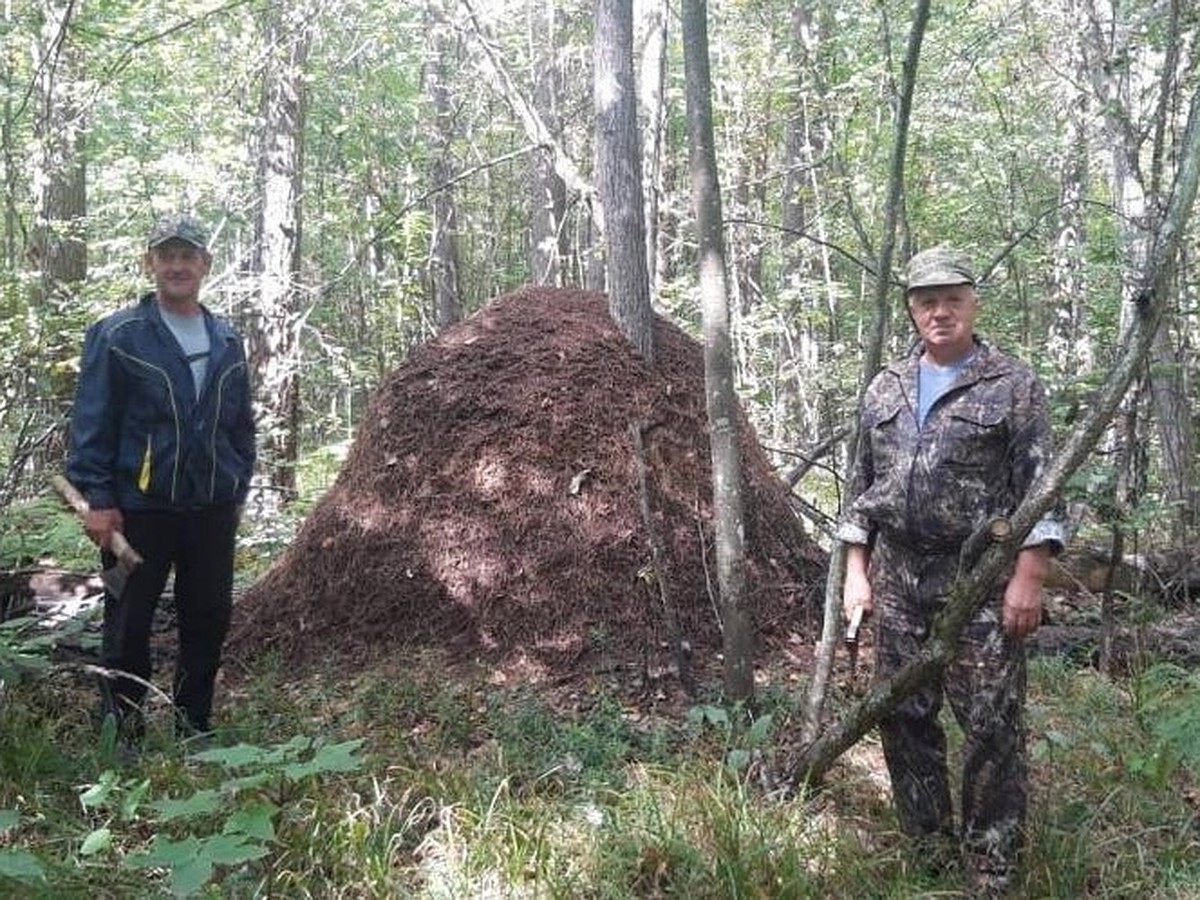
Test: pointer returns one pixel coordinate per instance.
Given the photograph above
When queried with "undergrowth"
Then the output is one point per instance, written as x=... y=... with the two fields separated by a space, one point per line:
x=399 y=784
x=407 y=782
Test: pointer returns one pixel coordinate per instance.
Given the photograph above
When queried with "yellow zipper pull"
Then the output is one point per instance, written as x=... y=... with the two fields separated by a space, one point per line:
x=144 y=474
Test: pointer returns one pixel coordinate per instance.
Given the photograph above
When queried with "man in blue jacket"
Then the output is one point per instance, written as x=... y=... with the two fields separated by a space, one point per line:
x=162 y=447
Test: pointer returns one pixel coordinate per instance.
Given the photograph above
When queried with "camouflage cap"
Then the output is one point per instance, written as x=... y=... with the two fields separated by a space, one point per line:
x=178 y=227
x=938 y=266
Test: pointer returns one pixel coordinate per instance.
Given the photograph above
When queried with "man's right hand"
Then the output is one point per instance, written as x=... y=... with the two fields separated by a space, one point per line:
x=856 y=591
x=99 y=524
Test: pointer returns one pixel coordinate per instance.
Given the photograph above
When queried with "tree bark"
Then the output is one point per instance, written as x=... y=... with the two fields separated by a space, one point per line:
x=59 y=246
x=275 y=340
x=654 y=110
x=548 y=245
x=443 y=256
x=1115 y=80
x=718 y=359
x=619 y=176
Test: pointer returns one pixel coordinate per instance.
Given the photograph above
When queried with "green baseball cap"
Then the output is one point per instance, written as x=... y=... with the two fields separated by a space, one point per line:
x=178 y=227
x=938 y=266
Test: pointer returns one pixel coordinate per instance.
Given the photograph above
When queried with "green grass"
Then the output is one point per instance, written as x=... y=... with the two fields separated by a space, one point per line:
x=465 y=790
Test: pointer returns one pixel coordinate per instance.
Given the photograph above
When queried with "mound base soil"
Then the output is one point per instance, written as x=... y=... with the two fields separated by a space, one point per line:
x=491 y=508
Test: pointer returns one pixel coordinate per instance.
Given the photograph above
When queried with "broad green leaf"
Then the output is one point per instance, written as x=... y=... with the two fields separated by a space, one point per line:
x=96 y=842
x=187 y=878
x=99 y=793
x=9 y=818
x=231 y=849
x=737 y=760
x=256 y=821
x=200 y=803
x=165 y=852
x=329 y=758
x=238 y=756
x=760 y=730
x=20 y=865
x=133 y=799
x=248 y=782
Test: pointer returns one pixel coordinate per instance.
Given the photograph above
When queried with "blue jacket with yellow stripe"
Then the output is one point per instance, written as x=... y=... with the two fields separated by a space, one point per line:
x=141 y=438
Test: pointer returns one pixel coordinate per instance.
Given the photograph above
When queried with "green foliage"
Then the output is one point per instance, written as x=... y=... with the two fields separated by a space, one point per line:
x=43 y=529
x=212 y=828
x=536 y=743
x=741 y=735
x=473 y=790
x=26 y=645
x=1107 y=812
x=1167 y=700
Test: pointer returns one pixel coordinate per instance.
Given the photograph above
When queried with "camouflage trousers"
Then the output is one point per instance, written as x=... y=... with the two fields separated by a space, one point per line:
x=986 y=691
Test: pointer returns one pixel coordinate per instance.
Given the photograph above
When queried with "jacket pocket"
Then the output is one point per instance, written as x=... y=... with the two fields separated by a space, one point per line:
x=977 y=443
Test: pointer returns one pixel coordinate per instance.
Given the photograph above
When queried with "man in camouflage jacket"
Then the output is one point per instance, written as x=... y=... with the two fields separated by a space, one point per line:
x=951 y=437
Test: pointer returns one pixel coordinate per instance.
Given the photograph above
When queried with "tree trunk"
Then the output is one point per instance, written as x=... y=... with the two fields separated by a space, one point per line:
x=1115 y=79
x=654 y=108
x=1070 y=345
x=871 y=362
x=59 y=241
x=802 y=268
x=619 y=176
x=548 y=245
x=275 y=341
x=718 y=360
x=443 y=256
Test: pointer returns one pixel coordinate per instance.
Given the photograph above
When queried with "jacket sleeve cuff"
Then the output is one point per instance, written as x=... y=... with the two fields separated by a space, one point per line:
x=100 y=498
x=1048 y=531
x=850 y=533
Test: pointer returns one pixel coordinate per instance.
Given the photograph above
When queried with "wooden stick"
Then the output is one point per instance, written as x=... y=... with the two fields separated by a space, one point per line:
x=119 y=546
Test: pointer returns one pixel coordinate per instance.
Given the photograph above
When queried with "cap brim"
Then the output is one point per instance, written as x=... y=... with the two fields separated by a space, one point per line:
x=946 y=279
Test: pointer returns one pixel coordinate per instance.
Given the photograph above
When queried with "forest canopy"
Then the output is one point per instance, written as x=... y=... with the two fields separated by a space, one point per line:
x=374 y=171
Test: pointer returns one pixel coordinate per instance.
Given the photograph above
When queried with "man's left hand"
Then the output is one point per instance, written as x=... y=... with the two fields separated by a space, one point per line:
x=1023 y=594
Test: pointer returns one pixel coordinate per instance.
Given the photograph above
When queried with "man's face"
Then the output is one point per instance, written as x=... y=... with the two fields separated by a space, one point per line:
x=945 y=319
x=178 y=268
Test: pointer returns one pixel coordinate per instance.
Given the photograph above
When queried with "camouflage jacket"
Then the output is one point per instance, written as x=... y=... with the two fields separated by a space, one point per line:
x=983 y=444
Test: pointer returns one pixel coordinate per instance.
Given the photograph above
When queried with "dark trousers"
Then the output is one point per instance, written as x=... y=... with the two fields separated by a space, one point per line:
x=199 y=545
x=986 y=690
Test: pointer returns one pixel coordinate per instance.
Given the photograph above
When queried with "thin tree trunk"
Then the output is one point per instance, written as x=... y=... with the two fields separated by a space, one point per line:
x=548 y=246
x=798 y=267
x=1070 y=345
x=654 y=111
x=619 y=176
x=59 y=243
x=443 y=257
x=1137 y=197
x=718 y=360
x=871 y=363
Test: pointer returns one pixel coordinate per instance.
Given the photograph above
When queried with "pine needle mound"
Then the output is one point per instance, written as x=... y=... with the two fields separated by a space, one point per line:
x=490 y=508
